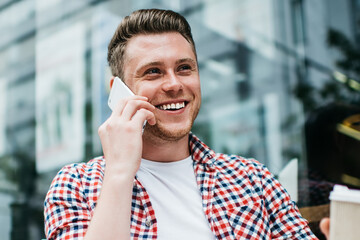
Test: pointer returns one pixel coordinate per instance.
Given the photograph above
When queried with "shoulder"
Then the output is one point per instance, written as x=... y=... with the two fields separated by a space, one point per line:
x=78 y=176
x=72 y=197
x=77 y=182
x=92 y=168
x=238 y=164
x=225 y=163
x=246 y=173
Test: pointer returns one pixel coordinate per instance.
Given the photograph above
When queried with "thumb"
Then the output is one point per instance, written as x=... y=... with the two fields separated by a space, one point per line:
x=325 y=227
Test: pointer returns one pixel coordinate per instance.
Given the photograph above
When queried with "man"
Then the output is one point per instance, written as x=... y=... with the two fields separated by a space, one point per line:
x=164 y=183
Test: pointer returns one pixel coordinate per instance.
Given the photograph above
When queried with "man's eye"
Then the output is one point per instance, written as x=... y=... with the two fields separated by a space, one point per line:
x=184 y=68
x=152 y=71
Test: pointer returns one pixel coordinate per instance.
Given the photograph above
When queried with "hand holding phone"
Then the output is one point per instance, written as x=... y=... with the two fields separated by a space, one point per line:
x=119 y=91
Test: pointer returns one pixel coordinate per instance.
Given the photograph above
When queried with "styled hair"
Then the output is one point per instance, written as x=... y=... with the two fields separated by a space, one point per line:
x=144 y=21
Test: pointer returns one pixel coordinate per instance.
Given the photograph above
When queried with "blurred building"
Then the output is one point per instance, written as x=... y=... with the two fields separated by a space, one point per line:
x=264 y=65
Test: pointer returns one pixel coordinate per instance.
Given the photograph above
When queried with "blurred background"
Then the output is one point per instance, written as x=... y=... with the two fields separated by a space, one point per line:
x=280 y=83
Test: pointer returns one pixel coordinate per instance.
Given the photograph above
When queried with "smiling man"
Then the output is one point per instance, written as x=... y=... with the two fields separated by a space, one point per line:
x=164 y=183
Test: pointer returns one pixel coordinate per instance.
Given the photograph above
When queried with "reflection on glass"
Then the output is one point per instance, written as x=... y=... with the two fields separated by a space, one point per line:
x=269 y=70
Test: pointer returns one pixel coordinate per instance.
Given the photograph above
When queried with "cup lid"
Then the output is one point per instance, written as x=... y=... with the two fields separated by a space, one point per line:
x=344 y=194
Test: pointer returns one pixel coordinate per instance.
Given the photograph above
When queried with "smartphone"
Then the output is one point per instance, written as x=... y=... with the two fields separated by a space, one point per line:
x=118 y=91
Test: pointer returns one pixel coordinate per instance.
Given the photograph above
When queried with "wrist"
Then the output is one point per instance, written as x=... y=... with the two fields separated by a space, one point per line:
x=120 y=167
x=120 y=173
x=118 y=183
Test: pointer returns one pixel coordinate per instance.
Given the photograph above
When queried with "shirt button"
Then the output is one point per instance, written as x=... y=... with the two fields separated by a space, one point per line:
x=148 y=222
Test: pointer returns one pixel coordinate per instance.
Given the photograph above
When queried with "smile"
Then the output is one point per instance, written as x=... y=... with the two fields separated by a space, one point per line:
x=171 y=106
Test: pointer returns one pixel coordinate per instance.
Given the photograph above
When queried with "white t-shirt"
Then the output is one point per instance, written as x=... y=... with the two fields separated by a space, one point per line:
x=176 y=199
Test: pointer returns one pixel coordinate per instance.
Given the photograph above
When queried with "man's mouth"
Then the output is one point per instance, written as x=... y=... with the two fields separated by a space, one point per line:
x=171 y=106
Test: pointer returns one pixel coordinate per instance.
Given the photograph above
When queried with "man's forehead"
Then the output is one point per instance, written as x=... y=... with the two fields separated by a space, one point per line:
x=155 y=47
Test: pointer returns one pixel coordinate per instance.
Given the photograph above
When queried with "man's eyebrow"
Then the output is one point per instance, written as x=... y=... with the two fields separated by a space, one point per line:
x=186 y=60
x=149 y=64
x=160 y=63
x=155 y=63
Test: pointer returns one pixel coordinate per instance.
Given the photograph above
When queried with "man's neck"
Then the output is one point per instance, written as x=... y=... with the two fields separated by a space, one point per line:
x=166 y=151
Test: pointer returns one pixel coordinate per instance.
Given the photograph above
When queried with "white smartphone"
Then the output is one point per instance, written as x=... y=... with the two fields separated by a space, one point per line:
x=118 y=91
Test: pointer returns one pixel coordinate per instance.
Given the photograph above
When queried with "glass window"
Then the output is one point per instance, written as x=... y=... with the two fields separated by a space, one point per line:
x=280 y=83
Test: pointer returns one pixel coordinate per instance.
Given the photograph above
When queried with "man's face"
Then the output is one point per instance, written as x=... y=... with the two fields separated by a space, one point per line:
x=163 y=68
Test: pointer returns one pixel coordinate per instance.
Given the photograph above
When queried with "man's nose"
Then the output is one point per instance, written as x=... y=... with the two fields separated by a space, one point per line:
x=172 y=83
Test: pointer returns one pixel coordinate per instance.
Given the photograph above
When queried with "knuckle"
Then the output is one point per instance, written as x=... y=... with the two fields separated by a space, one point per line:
x=105 y=127
x=129 y=128
x=101 y=129
x=142 y=111
x=109 y=127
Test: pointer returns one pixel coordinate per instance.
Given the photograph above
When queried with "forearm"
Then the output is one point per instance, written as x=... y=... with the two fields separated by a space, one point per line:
x=121 y=140
x=112 y=215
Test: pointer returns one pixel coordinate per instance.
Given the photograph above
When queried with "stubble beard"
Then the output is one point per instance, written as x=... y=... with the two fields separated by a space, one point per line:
x=162 y=134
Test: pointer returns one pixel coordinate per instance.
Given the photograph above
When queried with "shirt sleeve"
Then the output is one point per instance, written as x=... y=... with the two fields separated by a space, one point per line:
x=285 y=219
x=66 y=212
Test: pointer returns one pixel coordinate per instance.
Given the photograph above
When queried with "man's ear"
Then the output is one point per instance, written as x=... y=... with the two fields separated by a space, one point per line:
x=111 y=81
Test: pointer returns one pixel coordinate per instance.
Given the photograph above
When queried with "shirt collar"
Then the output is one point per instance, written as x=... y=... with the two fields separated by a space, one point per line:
x=200 y=152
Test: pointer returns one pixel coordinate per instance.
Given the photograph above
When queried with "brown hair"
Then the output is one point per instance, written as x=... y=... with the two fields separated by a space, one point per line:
x=144 y=21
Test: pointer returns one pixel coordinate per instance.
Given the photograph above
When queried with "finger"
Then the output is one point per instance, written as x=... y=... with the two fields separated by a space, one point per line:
x=142 y=115
x=325 y=227
x=123 y=101
x=118 y=107
x=151 y=120
x=132 y=106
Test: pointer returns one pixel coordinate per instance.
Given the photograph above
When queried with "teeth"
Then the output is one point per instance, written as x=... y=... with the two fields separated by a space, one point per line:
x=172 y=106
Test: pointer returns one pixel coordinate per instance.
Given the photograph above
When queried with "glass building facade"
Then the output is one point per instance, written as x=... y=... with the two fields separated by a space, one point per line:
x=280 y=83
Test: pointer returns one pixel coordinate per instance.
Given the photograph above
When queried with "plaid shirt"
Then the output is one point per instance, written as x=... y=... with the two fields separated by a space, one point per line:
x=240 y=197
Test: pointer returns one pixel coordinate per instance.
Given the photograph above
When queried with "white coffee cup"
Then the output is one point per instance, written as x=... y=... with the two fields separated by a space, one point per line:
x=344 y=213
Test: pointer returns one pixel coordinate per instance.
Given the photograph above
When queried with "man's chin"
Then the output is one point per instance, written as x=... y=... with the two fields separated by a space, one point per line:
x=166 y=134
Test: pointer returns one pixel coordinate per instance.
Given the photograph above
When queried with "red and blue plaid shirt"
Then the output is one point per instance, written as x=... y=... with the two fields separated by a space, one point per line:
x=241 y=200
